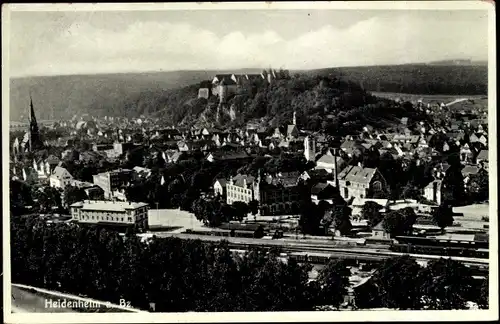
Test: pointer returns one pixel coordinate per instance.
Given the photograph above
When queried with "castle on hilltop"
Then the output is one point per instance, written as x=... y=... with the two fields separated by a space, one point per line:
x=224 y=86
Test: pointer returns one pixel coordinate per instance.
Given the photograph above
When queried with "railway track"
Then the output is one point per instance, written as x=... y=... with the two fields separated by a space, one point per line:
x=348 y=252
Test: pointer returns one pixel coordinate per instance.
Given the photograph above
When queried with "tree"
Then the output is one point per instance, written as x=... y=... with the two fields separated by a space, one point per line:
x=367 y=295
x=240 y=210
x=342 y=218
x=212 y=213
x=20 y=197
x=447 y=284
x=479 y=186
x=399 y=222
x=371 y=212
x=310 y=218
x=399 y=283
x=483 y=301
x=253 y=206
x=454 y=192
x=411 y=191
x=72 y=194
x=334 y=281
x=47 y=198
x=443 y=216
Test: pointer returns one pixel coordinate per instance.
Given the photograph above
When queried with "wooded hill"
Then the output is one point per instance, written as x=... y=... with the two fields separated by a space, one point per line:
x=133 y=94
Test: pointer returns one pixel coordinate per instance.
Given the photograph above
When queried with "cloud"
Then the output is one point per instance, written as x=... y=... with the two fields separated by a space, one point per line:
x=82 y=47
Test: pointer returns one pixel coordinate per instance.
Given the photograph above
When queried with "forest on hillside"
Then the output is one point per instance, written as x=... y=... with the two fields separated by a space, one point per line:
x=329 y=103
x=174 y=94
x=417 y=78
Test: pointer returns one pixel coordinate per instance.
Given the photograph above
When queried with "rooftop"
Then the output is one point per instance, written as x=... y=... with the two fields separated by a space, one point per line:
x=116 y=206
x=357 y=174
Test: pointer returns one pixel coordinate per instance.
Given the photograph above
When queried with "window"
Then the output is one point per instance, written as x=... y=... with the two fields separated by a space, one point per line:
x=377 y=186
x=129 y=219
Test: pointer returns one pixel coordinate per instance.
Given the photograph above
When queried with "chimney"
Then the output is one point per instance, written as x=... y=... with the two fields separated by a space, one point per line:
x=245 y=182
x=335 y=170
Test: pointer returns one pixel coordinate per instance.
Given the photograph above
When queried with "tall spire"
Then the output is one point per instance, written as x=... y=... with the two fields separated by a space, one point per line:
x=34 y=135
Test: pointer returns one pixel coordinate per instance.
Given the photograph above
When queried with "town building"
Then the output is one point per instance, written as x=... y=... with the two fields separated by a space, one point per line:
x=60 y=178
x=243 y=188
x=436 y=189
x=277 y=195
x=111 y=181
x=379 y=233
x=310 y=148
x=220 y=188
x=330 y=162
x=360 y=182
x=111 y=213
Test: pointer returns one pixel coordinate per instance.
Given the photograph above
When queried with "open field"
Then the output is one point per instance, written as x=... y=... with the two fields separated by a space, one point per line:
x=425 y=98
x=173 y=219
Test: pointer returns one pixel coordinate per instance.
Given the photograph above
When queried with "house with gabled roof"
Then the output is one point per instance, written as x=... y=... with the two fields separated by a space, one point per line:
x=220 y=156
x=473 y=138
x=379 y=233
x=316 y=175
x=220 y=188
x=466 y=153
x=433 y=191
x=323 y=191
x=368 y=128
x=328 y=161
x=483 y=140
x=361 y=182
x=60 y=178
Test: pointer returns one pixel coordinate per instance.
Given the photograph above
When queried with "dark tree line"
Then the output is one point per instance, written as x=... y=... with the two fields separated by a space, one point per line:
x=188 y=275
x=316 y=219
x=176 y=275
x=401 y=283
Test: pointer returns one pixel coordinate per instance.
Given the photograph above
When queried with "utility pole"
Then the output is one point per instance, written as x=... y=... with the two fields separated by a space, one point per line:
x=157 y=213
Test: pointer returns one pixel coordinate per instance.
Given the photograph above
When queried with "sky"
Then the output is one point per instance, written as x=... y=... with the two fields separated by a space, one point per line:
x=64 y=42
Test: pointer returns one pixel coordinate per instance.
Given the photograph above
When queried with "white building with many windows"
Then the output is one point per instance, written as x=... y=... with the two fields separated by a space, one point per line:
x=117 y=213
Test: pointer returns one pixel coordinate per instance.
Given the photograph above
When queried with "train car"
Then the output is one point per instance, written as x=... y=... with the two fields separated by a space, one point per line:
x=431 y=241
x=440 y=250
x=226 y=233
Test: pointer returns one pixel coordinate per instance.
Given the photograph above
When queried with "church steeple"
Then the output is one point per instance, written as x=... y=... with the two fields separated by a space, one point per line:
x=34 y=134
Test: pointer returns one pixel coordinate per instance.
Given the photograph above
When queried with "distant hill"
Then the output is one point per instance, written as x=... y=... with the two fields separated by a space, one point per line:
x=103 y=94
x=132 y=94
x=421 y=79
x=458 y=62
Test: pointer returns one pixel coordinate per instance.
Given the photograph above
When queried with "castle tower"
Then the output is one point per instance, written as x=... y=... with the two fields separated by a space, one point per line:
x=309 y=148
x=222 y=92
